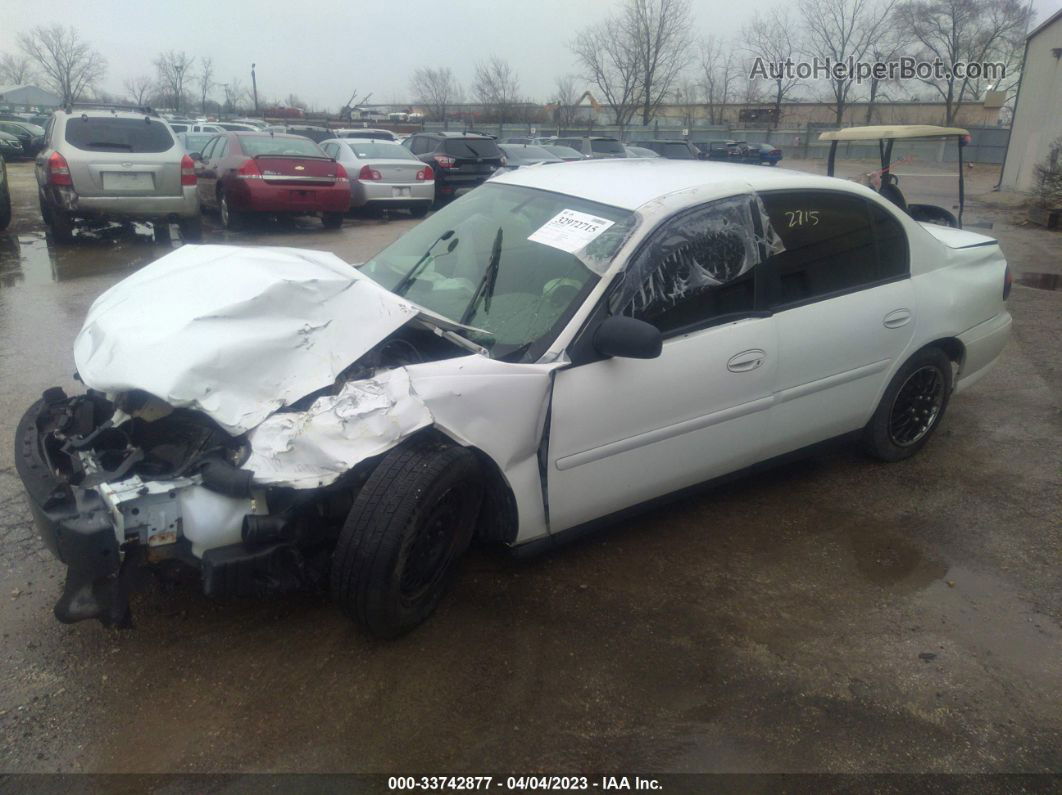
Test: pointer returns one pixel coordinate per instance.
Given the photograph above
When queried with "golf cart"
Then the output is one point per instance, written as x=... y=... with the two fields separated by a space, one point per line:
x=885 y=135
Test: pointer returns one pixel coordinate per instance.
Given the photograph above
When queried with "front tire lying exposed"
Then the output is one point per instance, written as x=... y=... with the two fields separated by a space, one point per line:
x=404 y=536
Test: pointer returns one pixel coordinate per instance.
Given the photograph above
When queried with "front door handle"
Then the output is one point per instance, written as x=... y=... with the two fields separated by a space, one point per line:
x=897 y=318
x=746 y=360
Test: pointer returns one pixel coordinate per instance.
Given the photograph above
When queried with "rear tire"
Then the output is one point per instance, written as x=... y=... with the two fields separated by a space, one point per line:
x=911 y=408
x=62 y=226
x=231 y=219
x=191 y=229
x=404 y=536
x=5 y=212
x=332 y=220
x=160 y=230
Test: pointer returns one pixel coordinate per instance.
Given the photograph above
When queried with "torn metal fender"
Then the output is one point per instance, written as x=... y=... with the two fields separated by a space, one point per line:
x=497 y=407
x=313 y=448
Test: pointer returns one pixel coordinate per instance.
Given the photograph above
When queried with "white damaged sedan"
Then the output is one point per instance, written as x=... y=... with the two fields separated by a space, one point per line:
x=556 y=347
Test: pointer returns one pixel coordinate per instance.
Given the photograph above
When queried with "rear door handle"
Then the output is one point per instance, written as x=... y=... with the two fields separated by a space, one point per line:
x=746 y=360
x=897 y=318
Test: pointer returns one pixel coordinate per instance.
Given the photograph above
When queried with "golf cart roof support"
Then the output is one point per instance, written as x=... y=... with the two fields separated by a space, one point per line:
x=887 y=134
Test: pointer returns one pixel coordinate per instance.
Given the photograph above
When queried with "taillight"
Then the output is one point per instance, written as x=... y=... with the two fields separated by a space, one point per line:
x=341 y=173
x=1008 y=282
x=369 y=173
x=444 y=161
x=504 y=160
x=187 y=171
x=425 y=174
x=59 y=170
x=249 y=170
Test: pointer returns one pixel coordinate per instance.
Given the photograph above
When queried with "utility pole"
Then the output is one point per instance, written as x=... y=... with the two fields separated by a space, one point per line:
x=254 y=88
x=179 y=69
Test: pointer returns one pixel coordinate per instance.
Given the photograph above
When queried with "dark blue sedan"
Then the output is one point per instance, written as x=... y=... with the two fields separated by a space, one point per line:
x=764 y=154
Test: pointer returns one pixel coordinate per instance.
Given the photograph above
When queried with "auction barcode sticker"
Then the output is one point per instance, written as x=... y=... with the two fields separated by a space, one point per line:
x=570 y=230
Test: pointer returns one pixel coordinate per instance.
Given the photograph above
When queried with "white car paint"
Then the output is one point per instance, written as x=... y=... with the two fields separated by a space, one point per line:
x=614 y=432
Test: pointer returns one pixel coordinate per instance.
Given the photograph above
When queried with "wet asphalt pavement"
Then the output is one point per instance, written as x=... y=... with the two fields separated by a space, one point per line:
x=833 y=615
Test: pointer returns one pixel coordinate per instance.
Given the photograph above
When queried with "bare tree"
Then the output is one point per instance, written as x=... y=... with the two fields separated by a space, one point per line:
x=139 y=89
x=206 y=81
x=174 y=69
x=497 y=86
x=718 y=75
x=609 y=58
x=660 y=33
x=294 y=101
x=841 y=29
x=974 y=31
x=687 y=96
x=15 y=70
x=566 y=96
x=437 y=90
x=773 y=38
x=236 y=95
x=69 y=64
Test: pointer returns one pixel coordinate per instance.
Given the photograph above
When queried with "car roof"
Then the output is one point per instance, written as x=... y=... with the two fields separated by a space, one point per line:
x=631 y=183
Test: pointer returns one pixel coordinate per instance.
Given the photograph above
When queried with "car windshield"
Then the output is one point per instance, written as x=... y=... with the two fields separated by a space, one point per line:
x=377 y=150
x=194 y=142
x=377 y=134
x=475 y=263
x=113 y=134
x=277 y=145
x=563 y=151
x=606 y=146
x=526 y=154
x=471 y=147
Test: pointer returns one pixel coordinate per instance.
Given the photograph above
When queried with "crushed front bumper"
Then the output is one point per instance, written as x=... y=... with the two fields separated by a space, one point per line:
x=104 y=526
x=76 y=527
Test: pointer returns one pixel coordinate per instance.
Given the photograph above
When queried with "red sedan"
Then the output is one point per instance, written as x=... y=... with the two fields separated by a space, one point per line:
x=240 y=173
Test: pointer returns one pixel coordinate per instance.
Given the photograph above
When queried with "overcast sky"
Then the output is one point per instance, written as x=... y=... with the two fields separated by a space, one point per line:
x=323 y=51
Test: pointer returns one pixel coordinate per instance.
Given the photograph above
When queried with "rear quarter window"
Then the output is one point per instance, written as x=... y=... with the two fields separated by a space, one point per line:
x=104 y=134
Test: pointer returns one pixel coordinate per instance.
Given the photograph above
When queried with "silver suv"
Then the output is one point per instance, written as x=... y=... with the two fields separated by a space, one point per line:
x=115 y=165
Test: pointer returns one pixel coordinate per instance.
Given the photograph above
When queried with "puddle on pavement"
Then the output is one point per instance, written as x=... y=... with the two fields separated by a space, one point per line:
x=32 y=258
x=892 y=562
x=1041 y=281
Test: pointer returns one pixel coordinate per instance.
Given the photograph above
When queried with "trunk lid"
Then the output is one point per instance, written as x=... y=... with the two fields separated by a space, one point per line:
x=292 y=170
x=395 y=171
x=957 y=238
x=125 y=174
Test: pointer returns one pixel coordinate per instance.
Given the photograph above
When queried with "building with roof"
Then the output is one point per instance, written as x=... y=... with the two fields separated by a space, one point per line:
x=1037 y=120
x=28 y=98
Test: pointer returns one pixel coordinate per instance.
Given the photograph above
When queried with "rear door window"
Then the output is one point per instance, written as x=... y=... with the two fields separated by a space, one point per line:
x=110 y=134
x=830 y=246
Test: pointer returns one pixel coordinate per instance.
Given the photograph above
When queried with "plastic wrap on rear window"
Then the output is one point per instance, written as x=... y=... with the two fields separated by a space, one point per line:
x=706 y=247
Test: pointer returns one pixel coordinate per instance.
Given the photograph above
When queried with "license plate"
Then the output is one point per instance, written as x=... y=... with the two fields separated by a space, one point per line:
x=398 y=193
x=302 y=195
x=124 y=180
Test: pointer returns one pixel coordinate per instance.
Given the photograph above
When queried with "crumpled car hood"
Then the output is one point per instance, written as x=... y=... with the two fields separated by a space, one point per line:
x=235 y=332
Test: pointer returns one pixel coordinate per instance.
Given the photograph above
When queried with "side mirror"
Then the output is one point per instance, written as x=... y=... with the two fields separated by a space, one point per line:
x=196 y=156
x=628 y=337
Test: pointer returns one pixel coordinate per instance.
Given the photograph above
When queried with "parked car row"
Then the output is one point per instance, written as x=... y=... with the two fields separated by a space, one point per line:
x=743 y=152
x=30 y=137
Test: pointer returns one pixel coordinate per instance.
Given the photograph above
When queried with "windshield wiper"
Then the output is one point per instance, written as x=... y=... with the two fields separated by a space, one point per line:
x=485 y=289
x=407 y=280
x=113 y=144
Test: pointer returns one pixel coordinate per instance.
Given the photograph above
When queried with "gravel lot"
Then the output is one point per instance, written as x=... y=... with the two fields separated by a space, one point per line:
x=834 y=615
